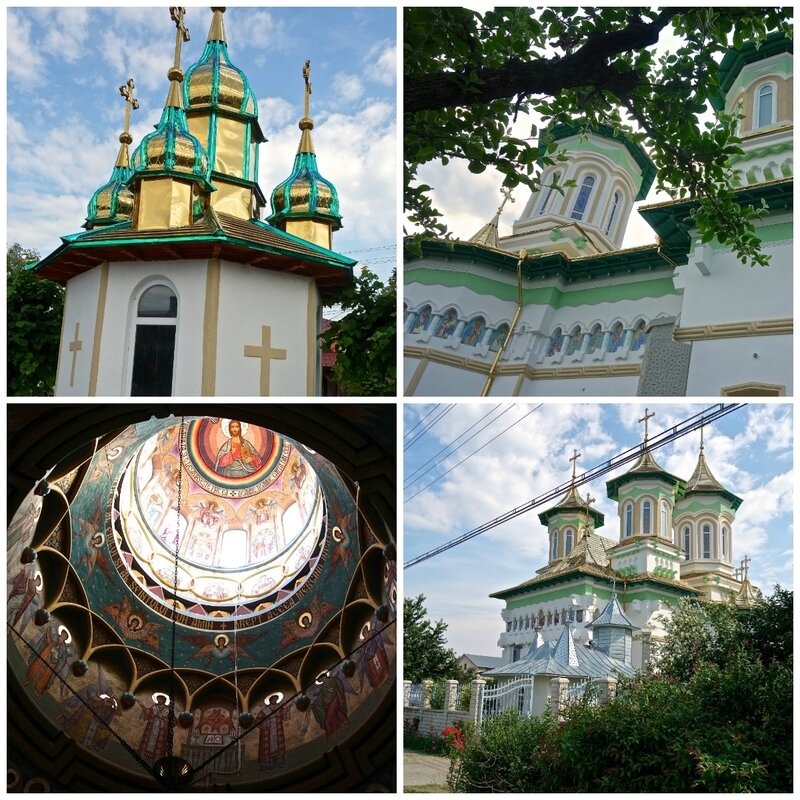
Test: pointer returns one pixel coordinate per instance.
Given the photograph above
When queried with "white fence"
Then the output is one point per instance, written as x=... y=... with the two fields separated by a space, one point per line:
x=496 y=700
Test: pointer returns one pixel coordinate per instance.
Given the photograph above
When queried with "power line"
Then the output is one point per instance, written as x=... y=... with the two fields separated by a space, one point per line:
x=420 y=421
x=705 y=417
x=446 y=411
x=472 y=454
x=409 y=480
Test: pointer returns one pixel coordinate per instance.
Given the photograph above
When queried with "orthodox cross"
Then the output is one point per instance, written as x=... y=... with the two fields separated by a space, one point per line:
x=506 y=191
x=702 y=424
x=176 y=14
x=307 y=79
x=575 y=456
x=745 y=563
x=644 y=419
x=74 y=346
x=589 y=501
x=126 y=90
x=265 y=352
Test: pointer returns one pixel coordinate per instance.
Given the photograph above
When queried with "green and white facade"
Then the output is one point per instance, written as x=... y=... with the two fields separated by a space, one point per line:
x=673 y=539
x=673 y=318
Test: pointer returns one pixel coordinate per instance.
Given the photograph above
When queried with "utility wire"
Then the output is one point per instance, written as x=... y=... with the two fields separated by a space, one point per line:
x=411 y=479
x=472 y=454
x=705 y=417
x=420 y=421
x=443 y=413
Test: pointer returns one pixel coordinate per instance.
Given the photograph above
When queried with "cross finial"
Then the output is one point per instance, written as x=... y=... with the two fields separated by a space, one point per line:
x=131 y=102
x=589 y=501
x=702 y=425
x=506 y=191
x=307 y=79
x=644 y=419
x=575 y=456
x=745 y=566
x=176 y=14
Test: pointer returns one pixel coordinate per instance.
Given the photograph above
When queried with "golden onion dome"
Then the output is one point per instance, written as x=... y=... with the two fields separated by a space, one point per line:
x=213 y=82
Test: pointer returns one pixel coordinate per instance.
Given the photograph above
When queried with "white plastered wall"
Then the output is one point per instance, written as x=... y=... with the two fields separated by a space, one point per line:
x=80 y=306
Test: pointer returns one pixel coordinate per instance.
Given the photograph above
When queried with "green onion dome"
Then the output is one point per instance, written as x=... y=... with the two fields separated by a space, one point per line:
x=305 y=194
x=213 y=82
x=171 y=150
x=113 y=201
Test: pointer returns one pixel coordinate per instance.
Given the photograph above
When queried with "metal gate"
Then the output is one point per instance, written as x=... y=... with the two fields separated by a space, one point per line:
x=516 y=695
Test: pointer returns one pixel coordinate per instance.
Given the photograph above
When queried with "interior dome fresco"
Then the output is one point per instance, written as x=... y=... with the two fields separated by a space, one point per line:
x=200 y=601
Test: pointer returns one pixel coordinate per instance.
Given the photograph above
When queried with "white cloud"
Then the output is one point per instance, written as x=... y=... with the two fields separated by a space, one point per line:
x=349 y=87
x=261 y=30
x=66 y=33
x=25 y=63
x=275 y=112
x=382 y=65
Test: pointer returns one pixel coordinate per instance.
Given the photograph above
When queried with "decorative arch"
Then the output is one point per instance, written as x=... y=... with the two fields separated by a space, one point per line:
x=639 y=334
x=546 y=193
x=616 y=340
x=422 y=319
x=765 y=104
x=647 y=516
x=595 y=339
x=473 y=331
x=153 y=336
x=555 y=343
x=447 y=324
x=588 y=184
x=498 y=338
x=628 y=519
x=575 y=340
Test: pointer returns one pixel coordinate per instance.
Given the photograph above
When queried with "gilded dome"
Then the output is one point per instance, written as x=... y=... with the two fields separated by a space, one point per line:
x=112 y=202
x=213 y=82
x=171 y=149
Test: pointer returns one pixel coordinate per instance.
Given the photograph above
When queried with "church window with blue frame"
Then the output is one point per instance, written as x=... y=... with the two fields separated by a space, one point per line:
x=629 y=520
x=647 y=509
x=554 y=555
x=706 y=541
x=568 y=535
x=582 y=200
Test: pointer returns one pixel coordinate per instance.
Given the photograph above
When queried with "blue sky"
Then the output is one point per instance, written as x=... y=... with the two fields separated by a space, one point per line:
x=749 y=451
x=65 y=113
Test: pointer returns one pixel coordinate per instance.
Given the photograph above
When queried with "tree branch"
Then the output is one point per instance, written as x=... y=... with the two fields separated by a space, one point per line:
x=587 y=66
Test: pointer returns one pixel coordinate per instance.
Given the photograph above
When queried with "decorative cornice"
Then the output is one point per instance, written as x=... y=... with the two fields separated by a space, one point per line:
x=532 y=373
x=734 y=330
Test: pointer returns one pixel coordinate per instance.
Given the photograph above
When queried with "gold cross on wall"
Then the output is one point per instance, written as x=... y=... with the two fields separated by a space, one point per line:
x=644 y=419
x=266 y=353
x=74 y=346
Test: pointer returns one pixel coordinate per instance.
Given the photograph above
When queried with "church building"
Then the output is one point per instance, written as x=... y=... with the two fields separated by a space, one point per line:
x=557 y=308
x=673 y=538
x=178 y=285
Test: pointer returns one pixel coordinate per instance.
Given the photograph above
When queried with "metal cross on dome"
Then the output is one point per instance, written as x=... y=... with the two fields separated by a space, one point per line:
x=575 y=456
x=644 y=419
x=176 y=14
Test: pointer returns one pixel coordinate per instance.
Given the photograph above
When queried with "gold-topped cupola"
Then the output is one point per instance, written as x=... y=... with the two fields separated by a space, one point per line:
x=222 y=113
x=170 y=165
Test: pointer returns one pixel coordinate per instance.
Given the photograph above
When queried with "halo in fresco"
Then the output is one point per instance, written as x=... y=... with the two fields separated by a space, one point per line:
x=227 y=454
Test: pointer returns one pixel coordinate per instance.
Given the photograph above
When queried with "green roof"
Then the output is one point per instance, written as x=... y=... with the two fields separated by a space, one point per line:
x=639 y=154
x=736 y=59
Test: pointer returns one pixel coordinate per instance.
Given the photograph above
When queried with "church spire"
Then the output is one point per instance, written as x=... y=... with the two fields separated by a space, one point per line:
x=488 y=235
x=306 y=204
x=113 y=201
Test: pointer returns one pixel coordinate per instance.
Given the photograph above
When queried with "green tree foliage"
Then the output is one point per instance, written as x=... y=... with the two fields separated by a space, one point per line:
x=365 y=338
x=34 y=326
x=425 y=651
x=714 y=716
x=469 y=74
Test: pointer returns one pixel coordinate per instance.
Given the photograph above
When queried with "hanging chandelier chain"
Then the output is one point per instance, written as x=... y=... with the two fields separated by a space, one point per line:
x=173 y=682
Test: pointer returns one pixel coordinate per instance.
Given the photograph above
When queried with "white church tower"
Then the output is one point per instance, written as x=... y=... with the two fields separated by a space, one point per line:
x=177 y=287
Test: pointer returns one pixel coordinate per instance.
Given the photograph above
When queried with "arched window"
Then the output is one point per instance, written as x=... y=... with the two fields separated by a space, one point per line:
x=423 y=319
x=498 y=338
x=615 y=200
x=554 y=549
x=508 y=626
x=629 y=519
x=639 y=335
x=554 y=345
x=687 y=542
x=647 y=509
x=596 y=340
x=154 y=342
x=447 y=324
x=664 y=520
x=706 y=541
x=617 y=339
x=541 y=619
x=547 y=194
x=765 y=105
x=568 y=534
x=724 y=543
x=473 y=331
x=582 y=200
x=575 y=340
